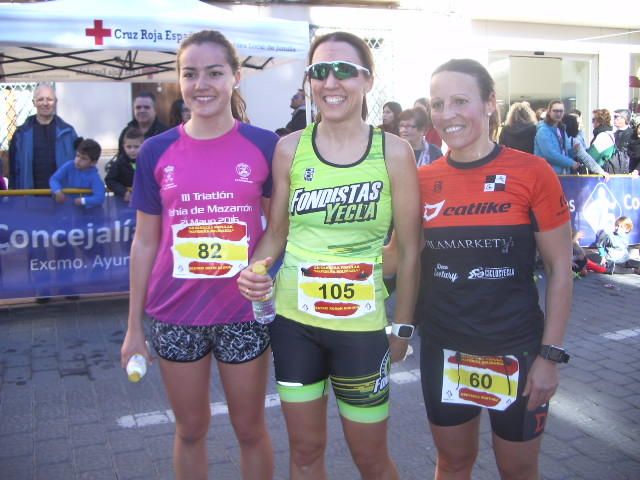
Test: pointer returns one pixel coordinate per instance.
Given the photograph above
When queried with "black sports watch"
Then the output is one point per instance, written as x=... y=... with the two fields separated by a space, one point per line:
x=402 y=330
x=553 y=353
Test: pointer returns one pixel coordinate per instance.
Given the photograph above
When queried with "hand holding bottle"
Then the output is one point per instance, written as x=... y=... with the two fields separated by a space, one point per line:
x=255 y=286
x=135 y=355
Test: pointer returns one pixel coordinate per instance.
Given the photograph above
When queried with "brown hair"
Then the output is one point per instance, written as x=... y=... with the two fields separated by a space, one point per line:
x=602 y=117
x=90 y=148
x=133 y=133
x=547 y=119
x=238 y=105
x=364 y=53
x=484 y=81
x=417 y=115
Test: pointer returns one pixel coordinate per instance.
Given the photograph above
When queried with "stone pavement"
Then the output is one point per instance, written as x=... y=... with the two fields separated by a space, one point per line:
x=68 y=412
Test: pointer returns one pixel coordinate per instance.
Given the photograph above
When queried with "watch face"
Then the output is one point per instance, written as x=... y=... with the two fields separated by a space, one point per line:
x=405 y=331
x=555 y=354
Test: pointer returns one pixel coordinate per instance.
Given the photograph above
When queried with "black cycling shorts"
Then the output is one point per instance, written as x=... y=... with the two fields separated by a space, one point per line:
x=515 y=424
x=356 y=363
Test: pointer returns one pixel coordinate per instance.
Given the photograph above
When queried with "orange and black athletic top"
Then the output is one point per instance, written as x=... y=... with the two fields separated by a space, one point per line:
x=479 y=220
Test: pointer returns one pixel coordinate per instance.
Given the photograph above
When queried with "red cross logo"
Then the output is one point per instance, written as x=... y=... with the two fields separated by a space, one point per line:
x=98 y=32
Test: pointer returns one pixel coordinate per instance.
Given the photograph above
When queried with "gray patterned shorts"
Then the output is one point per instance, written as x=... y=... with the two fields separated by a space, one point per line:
x=230 y=343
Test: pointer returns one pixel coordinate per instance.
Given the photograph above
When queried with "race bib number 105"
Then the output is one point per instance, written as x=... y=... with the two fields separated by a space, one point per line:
x=212 y=250
x=336 y=290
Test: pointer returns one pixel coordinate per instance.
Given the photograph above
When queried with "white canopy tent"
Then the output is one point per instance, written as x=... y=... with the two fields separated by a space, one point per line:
x=80 y=40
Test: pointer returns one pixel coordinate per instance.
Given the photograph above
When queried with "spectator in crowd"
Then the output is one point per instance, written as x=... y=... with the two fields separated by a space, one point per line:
x=634 y=151
x=550 y=140
x=179 y=113
x=541 y=113
x=119 y=177
x=299 y=115
x=412 y=124
x=579 y=258
x=601 y=121
x=282 y=131
x=520 y=128
x=144 y=118
x=623 y=131
x=430 y=134
x=576 y=148
x=613 y=246
x=41 y=145
x=80 y=173
x=580 y=137
x=390 y=113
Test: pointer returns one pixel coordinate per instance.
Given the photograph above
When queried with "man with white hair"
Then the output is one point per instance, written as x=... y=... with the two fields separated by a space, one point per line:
x=623 y=131
x=42 y=144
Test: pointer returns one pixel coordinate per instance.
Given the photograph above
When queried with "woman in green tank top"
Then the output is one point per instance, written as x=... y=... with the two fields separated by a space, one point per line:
x=337 y=185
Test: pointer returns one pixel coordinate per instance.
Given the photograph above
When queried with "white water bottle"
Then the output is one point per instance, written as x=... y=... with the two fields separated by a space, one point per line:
x=264 y=310
x=136 y=367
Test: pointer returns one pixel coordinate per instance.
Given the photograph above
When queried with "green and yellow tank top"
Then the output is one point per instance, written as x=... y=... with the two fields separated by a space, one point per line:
x=339 y=216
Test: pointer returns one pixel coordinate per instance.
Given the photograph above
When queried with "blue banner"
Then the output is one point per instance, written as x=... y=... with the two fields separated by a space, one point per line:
x=49 y=249
x=595 y=204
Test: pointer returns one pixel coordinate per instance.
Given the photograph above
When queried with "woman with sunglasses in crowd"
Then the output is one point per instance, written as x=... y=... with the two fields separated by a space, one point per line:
x=337 y=186
x=187 y=252
x=485 y=341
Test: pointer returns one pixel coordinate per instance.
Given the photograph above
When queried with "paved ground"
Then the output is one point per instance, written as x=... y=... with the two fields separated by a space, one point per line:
x=67 y=411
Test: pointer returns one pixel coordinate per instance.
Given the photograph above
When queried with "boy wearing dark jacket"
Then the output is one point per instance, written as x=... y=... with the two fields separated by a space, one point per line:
x=119 y=177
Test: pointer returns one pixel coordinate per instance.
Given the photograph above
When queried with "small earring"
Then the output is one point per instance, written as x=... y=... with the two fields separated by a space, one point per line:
x=235 y=87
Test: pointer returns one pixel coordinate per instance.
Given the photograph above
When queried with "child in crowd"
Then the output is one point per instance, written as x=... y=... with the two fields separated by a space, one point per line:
x=579 y=259
x=80 y=173
x=119 y=177
x=613 y=247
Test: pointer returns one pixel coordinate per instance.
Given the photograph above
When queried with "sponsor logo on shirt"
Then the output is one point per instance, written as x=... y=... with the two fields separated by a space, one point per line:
x=491 y=273
x=309 y=173
x=168 y=179
x=503 y=244
x=357 y=202
x=243 y=171
x=431 y=211
x=481 y=208
x=495 y=183
x=442 y=271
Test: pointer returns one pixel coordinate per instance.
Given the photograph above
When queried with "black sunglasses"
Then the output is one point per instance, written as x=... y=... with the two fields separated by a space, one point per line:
x=341 y=70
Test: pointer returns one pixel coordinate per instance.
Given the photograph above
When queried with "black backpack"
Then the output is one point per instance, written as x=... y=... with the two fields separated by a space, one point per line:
x=618 y=163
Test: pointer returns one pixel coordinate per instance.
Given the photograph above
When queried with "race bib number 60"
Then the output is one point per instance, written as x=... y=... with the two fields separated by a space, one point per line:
x=212 y=250
x=486 y=381
x=336 y=290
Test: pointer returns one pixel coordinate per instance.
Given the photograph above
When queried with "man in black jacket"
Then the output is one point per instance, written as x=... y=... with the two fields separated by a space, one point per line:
x=623 y=130
x=299 y=115
x=144 y=118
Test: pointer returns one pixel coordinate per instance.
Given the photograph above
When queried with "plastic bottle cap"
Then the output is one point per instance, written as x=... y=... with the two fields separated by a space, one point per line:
x=134 y=377
x=260 y=268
